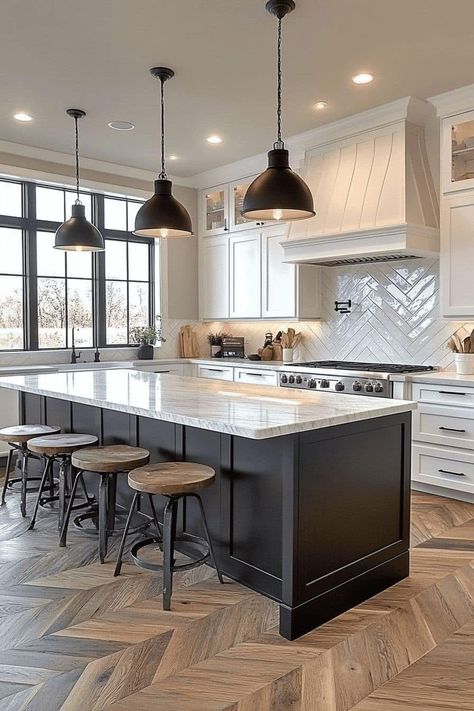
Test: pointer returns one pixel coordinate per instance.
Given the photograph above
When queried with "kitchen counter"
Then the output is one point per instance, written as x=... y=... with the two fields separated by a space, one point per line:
x=252 y=411
x=439 y=377
x=310 y=502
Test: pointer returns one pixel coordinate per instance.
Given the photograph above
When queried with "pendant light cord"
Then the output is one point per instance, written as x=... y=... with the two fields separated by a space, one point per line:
x=163 y=170
x=279 y=143
x=76 y=131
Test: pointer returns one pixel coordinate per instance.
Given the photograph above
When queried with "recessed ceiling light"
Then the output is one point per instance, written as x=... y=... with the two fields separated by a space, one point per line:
x=214 y=139
x=319 y=105
x=362 y=78
x=172 y=157
x=121 y=125
x=20 y=116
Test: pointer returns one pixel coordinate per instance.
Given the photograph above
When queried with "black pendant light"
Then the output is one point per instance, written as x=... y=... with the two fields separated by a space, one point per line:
x=78 y=234
x=278 y=193
x=162 y=215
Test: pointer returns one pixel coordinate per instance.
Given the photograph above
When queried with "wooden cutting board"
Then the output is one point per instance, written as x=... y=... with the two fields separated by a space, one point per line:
x=188 y=343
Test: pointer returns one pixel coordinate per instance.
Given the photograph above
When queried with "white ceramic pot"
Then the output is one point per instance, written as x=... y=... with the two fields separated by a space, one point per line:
x=464 y=363
x=288 y=355
x=215 y=351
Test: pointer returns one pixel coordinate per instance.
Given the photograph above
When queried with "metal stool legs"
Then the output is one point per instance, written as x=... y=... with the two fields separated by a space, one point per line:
x=212 y=557
x=47 y=470
x=7 y=473
x=167 y=543
x=24 y=480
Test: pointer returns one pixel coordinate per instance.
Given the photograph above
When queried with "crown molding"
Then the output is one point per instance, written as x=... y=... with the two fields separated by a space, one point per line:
x=123 y=172
x=454 y=102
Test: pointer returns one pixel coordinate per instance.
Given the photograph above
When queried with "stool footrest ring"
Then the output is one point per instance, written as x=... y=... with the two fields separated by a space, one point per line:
x=193 y=547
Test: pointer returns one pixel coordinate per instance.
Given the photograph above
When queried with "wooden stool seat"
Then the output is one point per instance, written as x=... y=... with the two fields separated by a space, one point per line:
x=171 y=478
x=112 y=459
x=23 y=433
x=58 y=444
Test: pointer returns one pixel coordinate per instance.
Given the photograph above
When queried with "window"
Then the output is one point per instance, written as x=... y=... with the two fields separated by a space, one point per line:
x=45 y=292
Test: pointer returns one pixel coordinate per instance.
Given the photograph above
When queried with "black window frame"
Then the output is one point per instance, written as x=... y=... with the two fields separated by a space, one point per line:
x=30 y=226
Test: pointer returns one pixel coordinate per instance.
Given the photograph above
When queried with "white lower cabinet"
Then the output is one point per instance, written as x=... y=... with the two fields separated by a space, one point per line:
x=441 y=466
x=216 y=372
x=443 y=437
x=255 y=377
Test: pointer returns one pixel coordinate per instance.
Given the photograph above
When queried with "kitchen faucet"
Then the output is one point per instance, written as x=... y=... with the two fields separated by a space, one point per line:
x=74 y=354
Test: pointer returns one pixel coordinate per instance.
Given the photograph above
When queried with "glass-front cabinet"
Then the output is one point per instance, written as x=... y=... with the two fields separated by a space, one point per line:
x=458 y=150
x=215 y=210
x=220 y=209
x=237 y=191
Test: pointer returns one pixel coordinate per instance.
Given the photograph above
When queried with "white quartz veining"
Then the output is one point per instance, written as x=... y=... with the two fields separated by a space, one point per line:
x=256 y=412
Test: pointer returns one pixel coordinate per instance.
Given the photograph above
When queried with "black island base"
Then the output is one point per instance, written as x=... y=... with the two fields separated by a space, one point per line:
x=318 y=521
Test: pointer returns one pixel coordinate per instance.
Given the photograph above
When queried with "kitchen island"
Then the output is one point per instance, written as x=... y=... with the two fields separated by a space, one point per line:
x=311 y=501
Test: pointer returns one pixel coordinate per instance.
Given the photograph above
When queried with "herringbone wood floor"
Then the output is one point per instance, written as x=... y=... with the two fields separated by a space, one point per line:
x=73 y=637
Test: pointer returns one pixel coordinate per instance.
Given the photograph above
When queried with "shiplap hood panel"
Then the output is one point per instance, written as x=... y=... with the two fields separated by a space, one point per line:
x=374 y=199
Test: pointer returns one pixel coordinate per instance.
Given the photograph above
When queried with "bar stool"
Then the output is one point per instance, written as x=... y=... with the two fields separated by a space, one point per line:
x=18 y=437
x=58 y=448
x=175 y=481
x=108 y=462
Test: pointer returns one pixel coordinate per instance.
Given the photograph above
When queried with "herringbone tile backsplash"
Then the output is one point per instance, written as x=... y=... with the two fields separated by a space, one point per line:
x=395 y=317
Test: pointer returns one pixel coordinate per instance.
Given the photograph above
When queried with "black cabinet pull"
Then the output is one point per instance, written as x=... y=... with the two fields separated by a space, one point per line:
x=448 y=392
x=446 y=471
x=451 y=429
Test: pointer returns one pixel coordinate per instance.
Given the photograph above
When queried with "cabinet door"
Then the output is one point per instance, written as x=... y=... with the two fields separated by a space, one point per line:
x=237 y=191
x=245 y=276
x=214 y=277
x=214 y=210
x=457 y=256
x=457 y=152
x=278 y=279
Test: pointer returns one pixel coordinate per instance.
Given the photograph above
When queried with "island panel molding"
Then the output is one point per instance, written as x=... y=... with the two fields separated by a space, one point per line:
x=312 y=520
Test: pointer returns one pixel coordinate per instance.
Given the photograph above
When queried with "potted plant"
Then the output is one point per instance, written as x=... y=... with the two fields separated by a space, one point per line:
x=146 y=336
x=215 y=341
x=463 y=350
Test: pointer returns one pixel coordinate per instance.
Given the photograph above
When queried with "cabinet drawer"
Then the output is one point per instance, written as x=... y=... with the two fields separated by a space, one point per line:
x=451 y=426
x=445 y=467
x=256 y=377
x=216 y=372
x=443 y=394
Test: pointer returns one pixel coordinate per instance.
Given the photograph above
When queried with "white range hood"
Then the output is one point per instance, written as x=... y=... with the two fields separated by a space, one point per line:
x=373 y=193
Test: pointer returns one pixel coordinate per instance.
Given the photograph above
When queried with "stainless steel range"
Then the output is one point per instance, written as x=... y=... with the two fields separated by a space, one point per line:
x=370 y=379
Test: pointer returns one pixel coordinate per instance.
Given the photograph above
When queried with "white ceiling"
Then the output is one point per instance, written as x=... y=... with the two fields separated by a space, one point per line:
x=95 y=55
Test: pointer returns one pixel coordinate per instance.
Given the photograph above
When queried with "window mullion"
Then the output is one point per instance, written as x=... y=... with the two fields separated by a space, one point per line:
x=31 y=301
x=99 y=277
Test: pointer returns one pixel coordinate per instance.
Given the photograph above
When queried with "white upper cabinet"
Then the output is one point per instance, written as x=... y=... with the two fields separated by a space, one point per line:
x=245 y=275
x=457 y=255
x=214 y=210
x=279 y=283
x=457 y=152
x=214 y=278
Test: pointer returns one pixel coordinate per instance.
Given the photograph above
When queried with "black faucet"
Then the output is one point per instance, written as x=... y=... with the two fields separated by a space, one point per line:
x=97 y=355
x=74 y=354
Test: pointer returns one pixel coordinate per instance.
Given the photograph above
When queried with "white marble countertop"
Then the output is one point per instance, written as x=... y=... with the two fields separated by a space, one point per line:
x=252 y=411
x=438 y=377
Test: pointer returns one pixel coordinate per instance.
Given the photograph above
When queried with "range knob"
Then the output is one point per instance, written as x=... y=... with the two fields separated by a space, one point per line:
x=299 y=379
x=356 y=386
x=339 y=386
x=378 y=388
x=369 y=388
x=324 y=383
x=312 y=383
x=291 y=379
x=284 y=378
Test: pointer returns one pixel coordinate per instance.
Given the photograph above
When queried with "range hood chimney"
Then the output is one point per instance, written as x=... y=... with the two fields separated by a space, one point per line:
x=373 y=192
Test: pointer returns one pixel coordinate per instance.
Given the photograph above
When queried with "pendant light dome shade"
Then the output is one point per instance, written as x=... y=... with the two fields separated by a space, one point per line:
x=162 y=215
x=278 y=193
x=78 y=234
